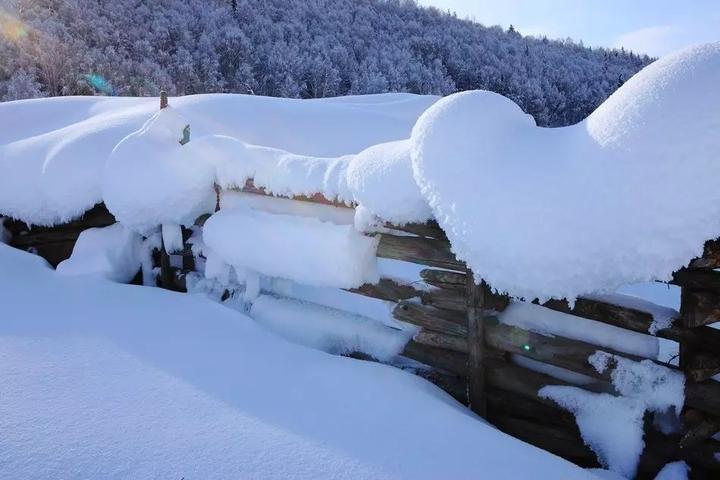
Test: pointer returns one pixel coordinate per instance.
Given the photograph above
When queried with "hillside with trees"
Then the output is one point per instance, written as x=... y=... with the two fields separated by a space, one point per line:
x=294 y=48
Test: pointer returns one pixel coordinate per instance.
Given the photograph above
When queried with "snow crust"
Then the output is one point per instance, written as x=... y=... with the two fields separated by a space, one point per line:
x=611 y=426
x=627 y=196
x=301 y=249
x=102 y=380
x=111 y=252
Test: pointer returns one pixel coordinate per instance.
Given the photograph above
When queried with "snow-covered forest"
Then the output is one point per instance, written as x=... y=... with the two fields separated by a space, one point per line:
x=294 y=48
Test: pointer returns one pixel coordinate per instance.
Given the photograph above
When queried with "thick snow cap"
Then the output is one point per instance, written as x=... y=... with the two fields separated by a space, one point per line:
x=151 y=179
x=629 y=195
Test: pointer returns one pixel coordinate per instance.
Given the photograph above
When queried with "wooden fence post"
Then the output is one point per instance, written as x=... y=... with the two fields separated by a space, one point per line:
x=476 y=344
x=163 y=99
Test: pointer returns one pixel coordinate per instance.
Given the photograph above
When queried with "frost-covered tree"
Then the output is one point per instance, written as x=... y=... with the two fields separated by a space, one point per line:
x=294 y=48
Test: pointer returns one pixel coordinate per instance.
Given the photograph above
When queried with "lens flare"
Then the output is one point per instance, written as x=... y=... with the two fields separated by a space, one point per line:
x=99 y=83
x=11 y=28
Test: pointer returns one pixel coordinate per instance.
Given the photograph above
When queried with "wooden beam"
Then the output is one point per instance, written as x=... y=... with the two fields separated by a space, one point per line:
x=444 y=279
x=439 y=358
x=708 y=280
x=250 y=187
x=424 y=251
x=698 y=427
x=700 y=308
x=430 y=229
x=701 y=365
x=450 y=323
x=387 y=289
x=710 y=258
x=475 y=344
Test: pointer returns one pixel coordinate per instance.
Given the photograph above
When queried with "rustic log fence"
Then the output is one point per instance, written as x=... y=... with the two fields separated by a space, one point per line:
x=469 y=352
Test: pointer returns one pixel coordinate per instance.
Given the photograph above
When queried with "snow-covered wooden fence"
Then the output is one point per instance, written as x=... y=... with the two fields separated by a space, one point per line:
x=497 y=368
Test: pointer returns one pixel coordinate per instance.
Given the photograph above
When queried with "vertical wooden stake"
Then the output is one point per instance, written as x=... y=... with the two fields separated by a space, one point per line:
x=476 y=344
x=163 y=99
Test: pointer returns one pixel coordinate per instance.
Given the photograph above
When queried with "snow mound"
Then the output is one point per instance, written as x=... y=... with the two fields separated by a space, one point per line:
x=627 y=196
x=53 y=155
x=674 y=471
x=301 y=249
x=112 y=252
x=151 y=179
x=381 y=181
x=611 y=426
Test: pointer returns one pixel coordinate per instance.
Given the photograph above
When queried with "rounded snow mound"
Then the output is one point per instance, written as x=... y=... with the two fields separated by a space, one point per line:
x=380 y=179
x=151 y=179
x=628 y=195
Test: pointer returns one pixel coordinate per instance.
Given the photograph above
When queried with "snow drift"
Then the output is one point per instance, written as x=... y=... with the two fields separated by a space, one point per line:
x=102 y=380
x=628 y=195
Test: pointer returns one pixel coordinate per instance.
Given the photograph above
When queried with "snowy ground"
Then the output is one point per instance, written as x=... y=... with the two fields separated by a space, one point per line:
x=101 y=380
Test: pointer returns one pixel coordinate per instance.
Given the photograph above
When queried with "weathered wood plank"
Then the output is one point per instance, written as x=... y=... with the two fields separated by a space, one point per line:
x=710 y=258
x=424 y=251
x=450 y=323
x=700 y=308
x=439 y=358
x=387 y=289
x=475 y=344
x=700 y=365
x=444 y=279
x=315 y=198
x=429 y=229
x=708 y=280
x=441 y=340
x=698 y=427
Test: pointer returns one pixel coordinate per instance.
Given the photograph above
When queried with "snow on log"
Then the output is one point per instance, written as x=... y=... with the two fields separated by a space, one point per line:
x=301 y=249
x=576 y=210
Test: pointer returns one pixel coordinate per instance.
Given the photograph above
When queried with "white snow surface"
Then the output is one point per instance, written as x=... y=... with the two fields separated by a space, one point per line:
x=674 y=471
x=380 y=179
x=611 y=426
x=53 y=153
x=562 y=212
x=302 y=249
x=112 y=252
x=102 y=380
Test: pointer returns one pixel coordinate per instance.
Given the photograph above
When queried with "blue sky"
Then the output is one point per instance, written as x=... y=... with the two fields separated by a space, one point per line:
x=655 y=27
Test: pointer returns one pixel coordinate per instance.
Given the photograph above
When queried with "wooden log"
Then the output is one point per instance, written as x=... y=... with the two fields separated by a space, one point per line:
x=700 y=365
x=710 y=258
x=444 y=279
x=444 y=299
x=387 y=289
x=425 y=251
x=698 y=427
x=635 y=320
x=475 y=344
x=708 y=280
x=429 y=229
x=441 y=321
x=455 y=300
x=316 y=198
x=27 y=239
x=700 y=308
x=438 y=358
x=54 y=252
x=441 y=340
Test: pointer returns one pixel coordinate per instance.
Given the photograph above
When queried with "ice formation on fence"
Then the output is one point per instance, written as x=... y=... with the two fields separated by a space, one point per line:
x=111 y=252
x=628 y=195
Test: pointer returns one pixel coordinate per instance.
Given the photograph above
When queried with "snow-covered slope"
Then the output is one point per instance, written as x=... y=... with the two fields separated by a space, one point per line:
x=101 y=380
